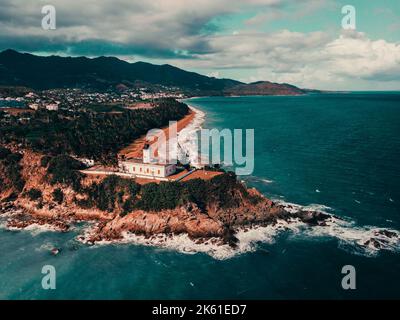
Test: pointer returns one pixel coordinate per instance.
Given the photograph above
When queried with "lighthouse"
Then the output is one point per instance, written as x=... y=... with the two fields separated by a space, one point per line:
x=146 y=167
x=146 y=153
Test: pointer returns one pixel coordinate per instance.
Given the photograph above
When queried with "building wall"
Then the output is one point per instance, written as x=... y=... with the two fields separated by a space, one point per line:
x=145 y=169
x=170 y=170
x=52 y=107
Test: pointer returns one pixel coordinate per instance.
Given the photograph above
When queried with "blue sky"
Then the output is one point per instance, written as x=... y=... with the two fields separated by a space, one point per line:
x=299 y=42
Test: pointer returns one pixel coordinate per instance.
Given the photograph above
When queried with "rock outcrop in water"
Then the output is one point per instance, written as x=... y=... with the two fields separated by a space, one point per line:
x=189 y=219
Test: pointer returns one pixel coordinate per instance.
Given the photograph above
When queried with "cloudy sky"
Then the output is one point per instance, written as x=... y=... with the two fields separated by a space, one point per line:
x=296 y=41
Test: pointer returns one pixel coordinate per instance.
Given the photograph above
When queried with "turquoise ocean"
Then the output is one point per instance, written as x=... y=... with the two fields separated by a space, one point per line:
x=337 y=152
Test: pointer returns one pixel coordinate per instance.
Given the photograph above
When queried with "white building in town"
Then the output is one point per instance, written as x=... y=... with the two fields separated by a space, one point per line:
x=146 y=167
x=52 y=107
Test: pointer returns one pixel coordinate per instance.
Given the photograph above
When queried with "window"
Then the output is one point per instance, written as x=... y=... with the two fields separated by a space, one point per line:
x=158 y=171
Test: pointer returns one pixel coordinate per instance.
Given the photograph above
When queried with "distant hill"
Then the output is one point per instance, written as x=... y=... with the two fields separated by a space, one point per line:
x=263 y=88
x=37 y=72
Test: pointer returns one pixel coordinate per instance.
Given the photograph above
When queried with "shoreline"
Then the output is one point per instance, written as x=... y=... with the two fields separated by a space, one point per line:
x=314 y=222
x=298 y=222
x=135 y=149
x=187 y=128
x=188 y=139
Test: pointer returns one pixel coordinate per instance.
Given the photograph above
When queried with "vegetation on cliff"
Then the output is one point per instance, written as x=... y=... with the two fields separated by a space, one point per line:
x=86 y=133
x=64 y=169
x=10 y=171
x=224 y=191
x=122 y=195
x=34 y=194
x=111 y=194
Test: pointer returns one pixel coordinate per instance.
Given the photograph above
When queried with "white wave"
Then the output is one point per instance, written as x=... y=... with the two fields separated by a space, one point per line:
x=294 y=207
x=46 y=247
x=185 y=146
x=257 y=179
x=36 y=228
x=188 y=138
x=180 y=243
x=362 y=240
x=3 y=224
x=266 y=180
x=248 y=240
x=250 y=237
x=365 y=240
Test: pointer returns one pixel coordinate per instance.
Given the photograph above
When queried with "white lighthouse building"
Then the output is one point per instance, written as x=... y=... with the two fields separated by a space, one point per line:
x=146 y=154
x=146 y=167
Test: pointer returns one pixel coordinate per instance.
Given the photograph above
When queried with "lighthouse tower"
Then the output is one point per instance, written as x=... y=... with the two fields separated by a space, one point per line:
x=146 y=153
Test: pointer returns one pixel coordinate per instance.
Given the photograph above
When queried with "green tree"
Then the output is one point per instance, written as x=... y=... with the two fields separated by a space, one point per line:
x=58 y=195
x=34 y=194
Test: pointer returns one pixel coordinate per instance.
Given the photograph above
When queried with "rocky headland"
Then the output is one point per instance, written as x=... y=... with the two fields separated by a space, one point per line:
x=244 y=207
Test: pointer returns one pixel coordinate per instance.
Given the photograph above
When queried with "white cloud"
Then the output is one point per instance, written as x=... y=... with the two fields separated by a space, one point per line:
x=214 y=74
x=313 y=60
x=178 y=30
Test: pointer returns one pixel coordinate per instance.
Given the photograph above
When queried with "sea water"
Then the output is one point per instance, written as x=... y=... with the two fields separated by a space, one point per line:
x=337 y=153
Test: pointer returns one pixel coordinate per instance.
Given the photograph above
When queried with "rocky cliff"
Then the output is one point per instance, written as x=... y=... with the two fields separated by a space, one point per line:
x=215 y=220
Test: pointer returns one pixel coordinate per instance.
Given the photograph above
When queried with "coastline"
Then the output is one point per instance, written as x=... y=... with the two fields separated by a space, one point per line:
x=134 y=150
x=187 y=138
x=297 y=221
x=187 y=128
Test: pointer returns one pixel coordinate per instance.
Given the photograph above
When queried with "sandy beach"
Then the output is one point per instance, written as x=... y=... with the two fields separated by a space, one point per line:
x=135 y=150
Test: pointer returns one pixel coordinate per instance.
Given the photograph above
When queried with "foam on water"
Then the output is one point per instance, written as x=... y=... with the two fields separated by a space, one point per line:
x=362 y=240
x=36 y=228
x=366 y=240
x=256 y=179
x=180 y=243
x=47 y=246
x=248 y=240
x=185 y=145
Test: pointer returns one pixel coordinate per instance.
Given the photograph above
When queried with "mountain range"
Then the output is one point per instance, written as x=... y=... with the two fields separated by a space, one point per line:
x=103 y=73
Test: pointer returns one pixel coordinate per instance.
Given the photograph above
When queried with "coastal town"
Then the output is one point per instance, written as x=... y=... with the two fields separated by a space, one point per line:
x=74 y=98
